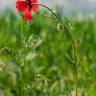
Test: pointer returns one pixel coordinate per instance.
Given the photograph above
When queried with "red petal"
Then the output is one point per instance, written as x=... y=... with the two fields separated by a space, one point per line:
x=35 y=5
x=28 y=14
x=34 y=1
x=21 y=5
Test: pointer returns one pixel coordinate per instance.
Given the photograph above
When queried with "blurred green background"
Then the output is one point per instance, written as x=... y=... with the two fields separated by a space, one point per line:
x=39 y=49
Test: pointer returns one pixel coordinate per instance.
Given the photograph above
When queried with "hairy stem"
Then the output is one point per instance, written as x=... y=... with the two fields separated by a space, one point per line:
x=72 y=41
x=70 y=37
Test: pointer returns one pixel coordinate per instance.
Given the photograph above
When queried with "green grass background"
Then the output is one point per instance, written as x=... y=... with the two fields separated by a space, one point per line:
x=40 y=49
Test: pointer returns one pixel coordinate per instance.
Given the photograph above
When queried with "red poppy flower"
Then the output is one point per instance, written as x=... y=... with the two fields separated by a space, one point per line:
x=27 y=7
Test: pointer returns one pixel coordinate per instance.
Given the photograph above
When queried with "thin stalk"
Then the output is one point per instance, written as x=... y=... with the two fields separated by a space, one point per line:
x=54 y=14
x=71 y=39
x=21 y=85
x=59 y=21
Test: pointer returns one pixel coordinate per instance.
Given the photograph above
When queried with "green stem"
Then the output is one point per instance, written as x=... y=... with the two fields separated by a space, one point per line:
x=55 y=16
x=59 y=21
x=71 y=39
x=21 y=85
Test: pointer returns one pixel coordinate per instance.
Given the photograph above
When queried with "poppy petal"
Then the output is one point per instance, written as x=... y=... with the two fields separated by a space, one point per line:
x=34 y=1
x=28 y=14
x=35 y=5
x=21 y=5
